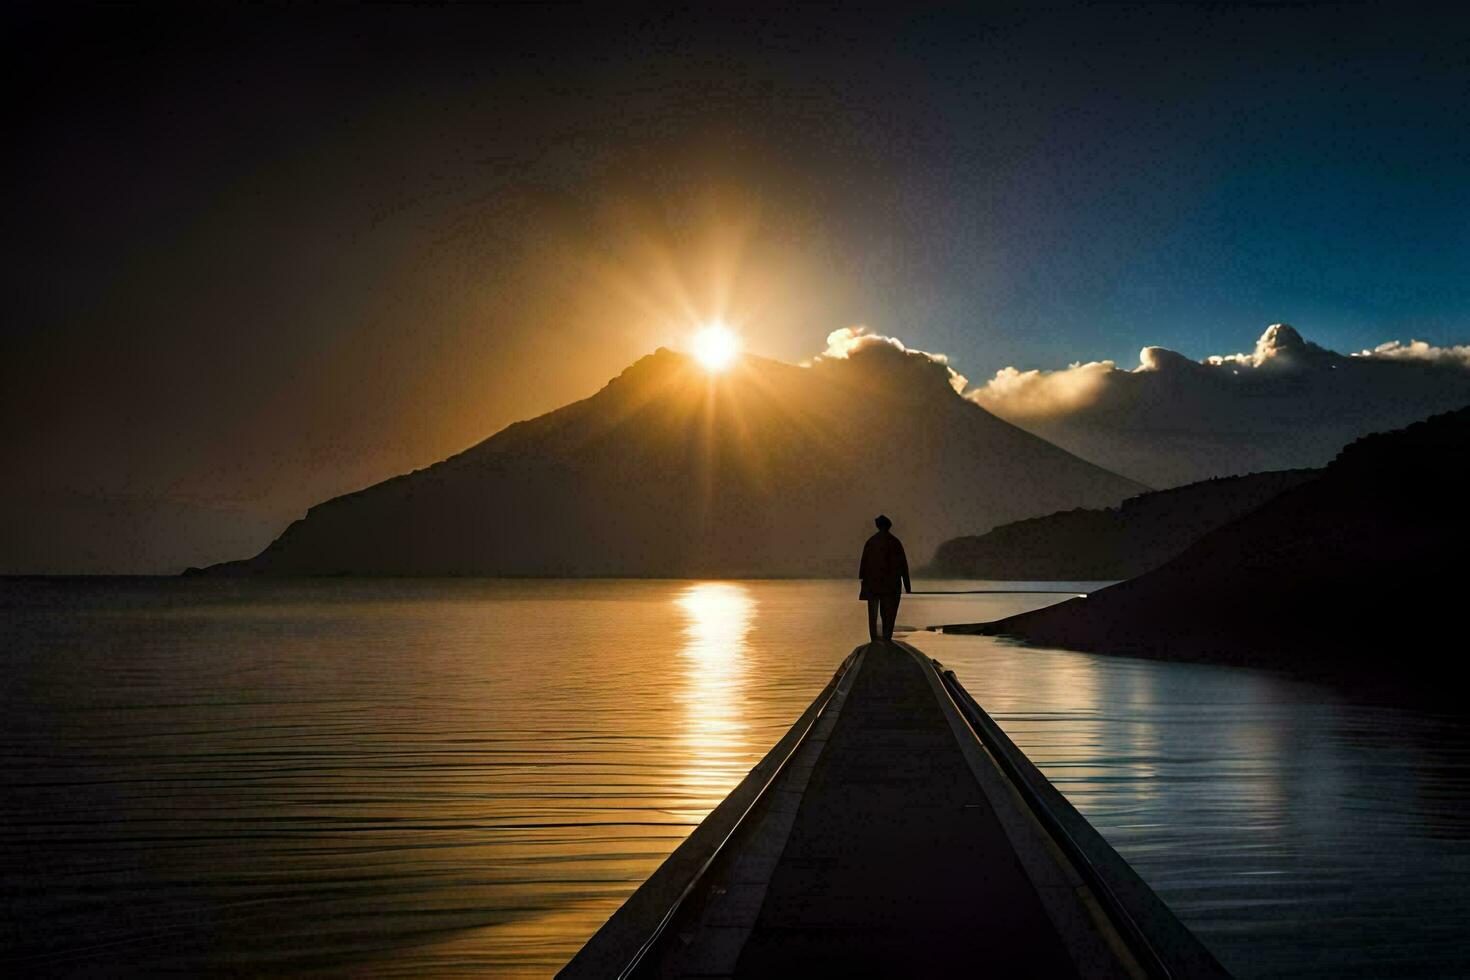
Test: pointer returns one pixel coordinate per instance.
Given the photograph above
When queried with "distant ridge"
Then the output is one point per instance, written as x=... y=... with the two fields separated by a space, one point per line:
x=1361 y=567
x=1111 y=543
x=767 y=470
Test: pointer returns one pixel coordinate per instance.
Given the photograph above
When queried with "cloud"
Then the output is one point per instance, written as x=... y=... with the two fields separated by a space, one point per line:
x=1418 y=350
x=1013 y=393
x=1279 y=347
x=849 y=342
x=1033 y=394
x=1286 y=403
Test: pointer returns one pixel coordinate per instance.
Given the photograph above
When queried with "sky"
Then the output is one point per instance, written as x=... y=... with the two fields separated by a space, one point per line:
x=257 y=258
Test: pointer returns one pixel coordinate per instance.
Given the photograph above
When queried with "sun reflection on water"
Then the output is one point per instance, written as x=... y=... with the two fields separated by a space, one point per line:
x=718 y=617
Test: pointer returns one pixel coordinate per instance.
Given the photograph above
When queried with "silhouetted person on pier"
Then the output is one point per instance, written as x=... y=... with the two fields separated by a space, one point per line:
x=883 y=570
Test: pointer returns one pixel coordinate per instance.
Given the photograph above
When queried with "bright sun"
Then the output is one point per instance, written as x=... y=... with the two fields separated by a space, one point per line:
x=716 y=346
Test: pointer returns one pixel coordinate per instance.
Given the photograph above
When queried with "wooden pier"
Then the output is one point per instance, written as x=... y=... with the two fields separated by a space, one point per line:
x=895 y=831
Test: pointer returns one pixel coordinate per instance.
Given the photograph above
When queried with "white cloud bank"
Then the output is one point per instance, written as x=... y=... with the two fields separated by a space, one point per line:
x=1287 y=403
x=850 y=341
x=1035 y=394
x=1043 y=394
x=1418 y=350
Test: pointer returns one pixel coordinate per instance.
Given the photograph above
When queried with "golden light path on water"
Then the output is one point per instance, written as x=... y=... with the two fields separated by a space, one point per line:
x=718 y=619
x=445 y=777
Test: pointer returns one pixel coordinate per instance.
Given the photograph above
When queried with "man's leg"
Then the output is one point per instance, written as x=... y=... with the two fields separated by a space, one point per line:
x=873 y=619
x=890 y=615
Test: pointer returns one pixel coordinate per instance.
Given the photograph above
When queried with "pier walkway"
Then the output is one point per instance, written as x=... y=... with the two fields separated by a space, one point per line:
x=883 y=837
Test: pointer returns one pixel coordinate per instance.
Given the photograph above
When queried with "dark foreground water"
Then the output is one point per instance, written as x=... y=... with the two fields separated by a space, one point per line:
x=433 y=777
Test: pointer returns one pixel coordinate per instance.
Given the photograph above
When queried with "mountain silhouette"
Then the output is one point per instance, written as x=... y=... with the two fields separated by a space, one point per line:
x=1353 y=568
x=768 y=469
x=1110 y=543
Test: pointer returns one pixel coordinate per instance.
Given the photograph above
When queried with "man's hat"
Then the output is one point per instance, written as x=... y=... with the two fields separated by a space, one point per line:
x=883 y=522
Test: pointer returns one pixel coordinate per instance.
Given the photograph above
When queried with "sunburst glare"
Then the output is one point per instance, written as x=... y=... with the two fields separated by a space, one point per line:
x=716 y=346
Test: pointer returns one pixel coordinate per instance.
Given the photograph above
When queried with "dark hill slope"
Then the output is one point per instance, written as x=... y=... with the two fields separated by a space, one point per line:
x=1362 y=566
x=1110 y=543
x=769 y=469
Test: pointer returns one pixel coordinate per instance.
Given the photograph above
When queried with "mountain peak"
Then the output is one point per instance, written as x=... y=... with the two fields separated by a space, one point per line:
x=662 y=359
x=764 y=469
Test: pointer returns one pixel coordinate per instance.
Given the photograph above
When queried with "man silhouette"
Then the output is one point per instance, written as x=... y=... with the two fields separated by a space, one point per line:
x=883 y=568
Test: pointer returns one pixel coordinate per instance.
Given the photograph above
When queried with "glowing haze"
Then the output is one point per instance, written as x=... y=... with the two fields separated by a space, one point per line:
x=297 y=250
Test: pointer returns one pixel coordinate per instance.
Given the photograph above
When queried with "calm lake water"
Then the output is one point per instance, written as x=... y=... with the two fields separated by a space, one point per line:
x=421 y=777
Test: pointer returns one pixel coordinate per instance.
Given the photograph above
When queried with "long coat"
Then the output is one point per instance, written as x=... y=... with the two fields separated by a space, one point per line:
x=885 y=568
